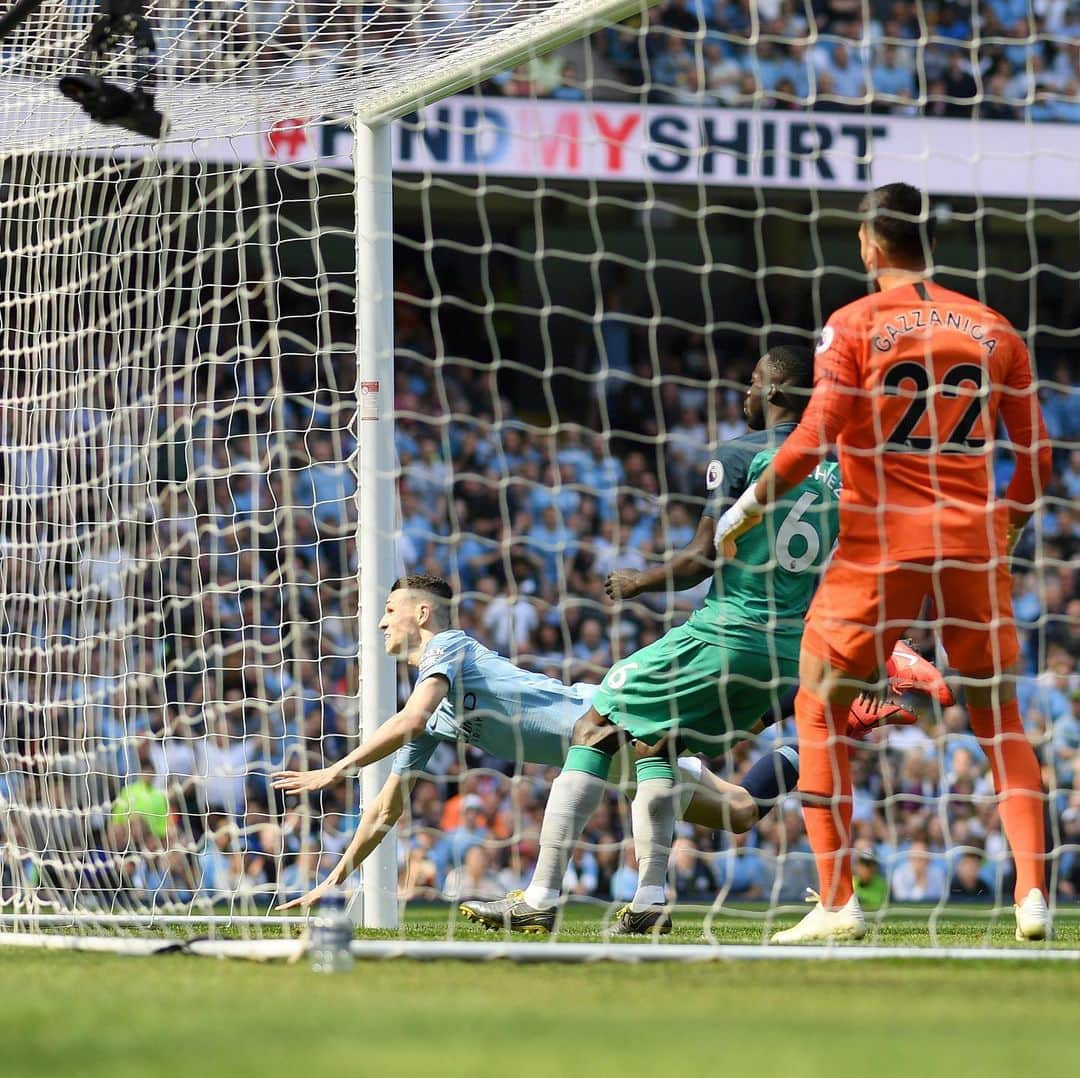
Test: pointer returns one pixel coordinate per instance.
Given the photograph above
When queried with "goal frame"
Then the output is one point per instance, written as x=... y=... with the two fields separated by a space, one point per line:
x=377 y=503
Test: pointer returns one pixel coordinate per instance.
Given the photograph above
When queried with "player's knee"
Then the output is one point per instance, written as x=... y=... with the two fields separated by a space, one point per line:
x=734 y=810
x=744 y=813
x=593 y=731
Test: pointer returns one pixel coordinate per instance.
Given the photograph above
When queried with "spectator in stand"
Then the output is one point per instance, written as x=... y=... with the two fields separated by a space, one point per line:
x=670 y=65
x=624 y=881
x=766 y=63
x=471 y=831
x=139 y=820
x=509 y=619
x=677 y=15
x=739 y=871
x=786 y=854
x=546 y=73
x=551 y=541
x=1063 y=106
x=918 y=878
x=722 y=74
x=967 y=881
x=960 y=89
x=692 y=880
x=732 y=422
x=996 y=104
x=520 y=83
x=870 y=885
x=569 y=86
x=891 y=81
x=622 y=48
x=582 y=873
x=473 y=878
x=1061 y=404
x=687 y=444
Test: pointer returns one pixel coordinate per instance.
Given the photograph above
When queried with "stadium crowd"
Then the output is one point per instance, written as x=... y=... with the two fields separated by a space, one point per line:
x=527 y=524
x=237 y=582
x=999 y=59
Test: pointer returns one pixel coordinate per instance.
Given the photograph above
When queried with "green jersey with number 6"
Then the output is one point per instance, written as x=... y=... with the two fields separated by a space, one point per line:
x=759 y=599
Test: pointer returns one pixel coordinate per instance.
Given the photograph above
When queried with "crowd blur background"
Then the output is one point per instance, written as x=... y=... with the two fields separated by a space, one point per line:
x=525 y=521
x=178 y=610
x=1000 y=59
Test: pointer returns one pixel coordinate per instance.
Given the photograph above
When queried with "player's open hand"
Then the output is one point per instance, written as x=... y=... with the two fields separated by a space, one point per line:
x=622 y=584
x=299 y=782
x=306 y=901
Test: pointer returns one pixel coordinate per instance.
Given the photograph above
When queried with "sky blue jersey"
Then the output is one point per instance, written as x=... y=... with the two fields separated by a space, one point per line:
x=510 y=713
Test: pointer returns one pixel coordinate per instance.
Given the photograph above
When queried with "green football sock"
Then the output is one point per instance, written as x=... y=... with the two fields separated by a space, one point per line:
x=654 y=767
x=590 y=761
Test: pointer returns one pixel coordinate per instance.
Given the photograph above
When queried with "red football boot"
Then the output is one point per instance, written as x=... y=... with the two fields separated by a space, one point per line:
x=908 y=671
x=869 y=712
x=912 y=681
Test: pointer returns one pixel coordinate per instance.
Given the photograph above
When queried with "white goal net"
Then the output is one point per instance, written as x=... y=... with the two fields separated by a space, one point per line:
x=591 y=249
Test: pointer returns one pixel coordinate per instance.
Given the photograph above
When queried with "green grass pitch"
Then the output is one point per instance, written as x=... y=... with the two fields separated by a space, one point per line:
x=81 y=1014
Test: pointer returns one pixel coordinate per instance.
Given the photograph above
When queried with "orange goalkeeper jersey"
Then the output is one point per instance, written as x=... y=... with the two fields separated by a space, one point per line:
x=910 y=384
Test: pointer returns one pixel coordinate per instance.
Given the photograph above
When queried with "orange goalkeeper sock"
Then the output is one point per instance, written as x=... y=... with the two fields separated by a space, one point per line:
x=1018 y=781
x=825 y=776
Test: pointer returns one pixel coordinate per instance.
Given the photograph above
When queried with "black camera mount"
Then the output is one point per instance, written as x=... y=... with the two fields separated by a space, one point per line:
x=107 y=102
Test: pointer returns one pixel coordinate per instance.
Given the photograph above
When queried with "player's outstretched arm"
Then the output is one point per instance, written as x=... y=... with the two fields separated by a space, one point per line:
x=687 y=567
x=404 y=727
x=375 y=824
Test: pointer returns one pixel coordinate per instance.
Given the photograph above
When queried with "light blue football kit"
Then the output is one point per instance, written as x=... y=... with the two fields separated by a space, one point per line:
x=510 y=713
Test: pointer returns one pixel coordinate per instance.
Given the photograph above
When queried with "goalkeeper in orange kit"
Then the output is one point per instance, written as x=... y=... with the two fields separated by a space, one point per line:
x=910 y=383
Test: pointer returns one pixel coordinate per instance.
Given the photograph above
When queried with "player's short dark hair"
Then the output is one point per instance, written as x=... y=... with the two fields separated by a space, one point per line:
x=899 y=217
x=432 y=585
x=793 y=366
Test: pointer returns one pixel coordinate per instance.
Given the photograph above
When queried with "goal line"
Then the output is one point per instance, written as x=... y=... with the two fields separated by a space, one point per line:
x=563 y=953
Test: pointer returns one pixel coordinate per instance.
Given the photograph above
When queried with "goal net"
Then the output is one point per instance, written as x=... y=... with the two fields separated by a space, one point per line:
x=591 y=248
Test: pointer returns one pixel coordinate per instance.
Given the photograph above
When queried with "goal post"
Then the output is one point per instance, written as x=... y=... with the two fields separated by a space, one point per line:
x=563 y=22
x=397 y=294
x=377 y=515
x=45 y=42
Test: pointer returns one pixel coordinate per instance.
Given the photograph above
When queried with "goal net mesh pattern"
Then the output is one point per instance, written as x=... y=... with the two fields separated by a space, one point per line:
x=179 y=417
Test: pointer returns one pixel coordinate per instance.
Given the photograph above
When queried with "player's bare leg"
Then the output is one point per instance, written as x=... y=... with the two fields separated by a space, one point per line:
x=719 y=805
x=995 y=721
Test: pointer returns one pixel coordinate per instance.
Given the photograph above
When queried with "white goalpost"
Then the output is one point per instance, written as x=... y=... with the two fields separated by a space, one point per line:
x=469 y=289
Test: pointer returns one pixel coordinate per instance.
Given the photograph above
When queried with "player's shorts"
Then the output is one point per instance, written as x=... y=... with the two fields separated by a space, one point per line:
x=702 y=691
x=860 y=612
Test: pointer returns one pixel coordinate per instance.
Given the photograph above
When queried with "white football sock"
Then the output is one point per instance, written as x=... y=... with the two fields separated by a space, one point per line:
x=575 y=796
x=653 y=816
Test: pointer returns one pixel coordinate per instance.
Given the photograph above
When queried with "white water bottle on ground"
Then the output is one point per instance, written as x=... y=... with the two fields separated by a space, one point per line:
x=331 y=934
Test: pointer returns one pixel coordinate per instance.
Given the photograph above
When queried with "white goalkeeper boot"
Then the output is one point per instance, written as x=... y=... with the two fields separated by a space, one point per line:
x=824 y=926
x=1033 y=918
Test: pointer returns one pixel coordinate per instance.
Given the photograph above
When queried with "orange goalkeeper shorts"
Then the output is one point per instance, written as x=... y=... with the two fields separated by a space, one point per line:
x=860 y=611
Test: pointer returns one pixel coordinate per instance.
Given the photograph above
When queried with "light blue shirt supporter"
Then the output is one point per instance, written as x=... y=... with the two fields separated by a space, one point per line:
x=508 y=712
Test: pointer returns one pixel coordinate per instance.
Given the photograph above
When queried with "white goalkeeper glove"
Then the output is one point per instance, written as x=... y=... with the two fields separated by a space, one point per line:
x=739 y=519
